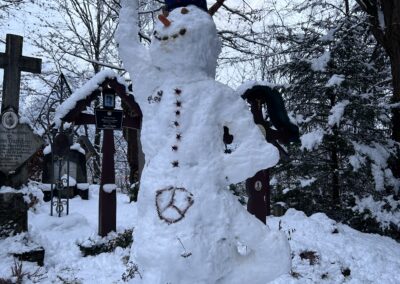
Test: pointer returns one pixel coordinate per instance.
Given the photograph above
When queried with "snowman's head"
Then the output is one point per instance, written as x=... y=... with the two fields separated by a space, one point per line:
x=188 y=41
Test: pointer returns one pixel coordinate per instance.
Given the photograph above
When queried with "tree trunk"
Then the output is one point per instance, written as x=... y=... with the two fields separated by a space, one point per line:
x=335 y=174
x=347 y=7
x=395 y=63
x=391 y=10
x=335 y=185
x=97 y=136
x=387 y=34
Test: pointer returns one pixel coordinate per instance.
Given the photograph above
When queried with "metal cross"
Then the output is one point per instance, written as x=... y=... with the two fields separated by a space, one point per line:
x=13 y=64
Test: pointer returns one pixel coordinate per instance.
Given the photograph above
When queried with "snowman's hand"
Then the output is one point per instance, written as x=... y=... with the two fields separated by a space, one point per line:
x=134 y=55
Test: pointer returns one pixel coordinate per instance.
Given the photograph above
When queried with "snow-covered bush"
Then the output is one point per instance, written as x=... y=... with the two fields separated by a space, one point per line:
x=98 y=245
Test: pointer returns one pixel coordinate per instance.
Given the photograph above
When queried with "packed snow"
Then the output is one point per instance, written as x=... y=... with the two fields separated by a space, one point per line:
x=59 y=236
x=322 y=250
x=186 y=211
x=109 y=187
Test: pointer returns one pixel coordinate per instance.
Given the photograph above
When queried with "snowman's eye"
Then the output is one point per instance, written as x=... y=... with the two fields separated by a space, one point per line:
x=184 y=10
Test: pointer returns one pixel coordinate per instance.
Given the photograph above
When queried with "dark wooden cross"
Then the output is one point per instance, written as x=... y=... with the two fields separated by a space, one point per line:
x=132 y=119
x=13 y=64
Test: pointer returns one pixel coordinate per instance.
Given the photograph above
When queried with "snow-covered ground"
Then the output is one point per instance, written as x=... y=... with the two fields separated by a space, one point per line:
x=322 y=250
x=63 y=260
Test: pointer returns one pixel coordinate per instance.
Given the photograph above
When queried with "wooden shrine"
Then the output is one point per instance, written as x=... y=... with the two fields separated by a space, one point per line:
x=107 y=119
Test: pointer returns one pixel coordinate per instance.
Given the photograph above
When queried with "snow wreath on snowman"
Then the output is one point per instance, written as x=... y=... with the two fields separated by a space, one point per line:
x=191 y=229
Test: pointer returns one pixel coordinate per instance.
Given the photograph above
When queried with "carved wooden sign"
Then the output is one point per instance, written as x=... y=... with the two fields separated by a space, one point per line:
x=17 y=145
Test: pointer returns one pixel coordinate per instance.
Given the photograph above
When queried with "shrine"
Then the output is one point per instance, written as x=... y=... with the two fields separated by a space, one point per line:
x=258 y=187
x=108 y=86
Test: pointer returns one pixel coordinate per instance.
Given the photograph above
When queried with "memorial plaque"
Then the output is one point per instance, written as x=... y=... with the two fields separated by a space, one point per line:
x=109 y=119
x=17 y=145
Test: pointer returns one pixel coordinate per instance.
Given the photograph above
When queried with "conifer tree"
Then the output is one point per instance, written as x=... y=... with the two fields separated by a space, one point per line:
x=338 y=88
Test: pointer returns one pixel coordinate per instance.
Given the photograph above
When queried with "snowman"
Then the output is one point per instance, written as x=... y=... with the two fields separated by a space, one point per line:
x=190 y=228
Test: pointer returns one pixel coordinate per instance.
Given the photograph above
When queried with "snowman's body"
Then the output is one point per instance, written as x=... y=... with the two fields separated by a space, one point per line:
x=191 y=229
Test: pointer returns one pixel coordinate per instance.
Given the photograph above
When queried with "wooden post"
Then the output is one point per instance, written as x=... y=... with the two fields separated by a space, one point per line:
x=257 y=188
x=107 y=201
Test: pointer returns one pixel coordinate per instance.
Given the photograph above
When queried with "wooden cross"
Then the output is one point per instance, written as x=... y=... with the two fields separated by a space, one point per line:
x=13 y=64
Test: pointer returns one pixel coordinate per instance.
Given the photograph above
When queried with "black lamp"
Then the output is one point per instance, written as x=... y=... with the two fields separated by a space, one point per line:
x=108 y=98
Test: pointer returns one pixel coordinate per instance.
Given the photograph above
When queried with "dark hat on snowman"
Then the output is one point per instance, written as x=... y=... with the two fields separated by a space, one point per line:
x=172 y=4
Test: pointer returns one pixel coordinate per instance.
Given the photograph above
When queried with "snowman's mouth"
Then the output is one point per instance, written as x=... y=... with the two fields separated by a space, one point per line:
x=159 y=37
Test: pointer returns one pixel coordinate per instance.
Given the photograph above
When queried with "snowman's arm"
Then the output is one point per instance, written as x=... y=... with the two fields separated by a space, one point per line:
x=134 y=55
x=253 y=152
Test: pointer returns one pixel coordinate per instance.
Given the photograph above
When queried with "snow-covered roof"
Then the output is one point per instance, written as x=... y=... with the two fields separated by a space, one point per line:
x=250 y=84
x=83 y=92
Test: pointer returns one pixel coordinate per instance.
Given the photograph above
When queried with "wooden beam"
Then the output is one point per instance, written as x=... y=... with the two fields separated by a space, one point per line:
x=13 y=64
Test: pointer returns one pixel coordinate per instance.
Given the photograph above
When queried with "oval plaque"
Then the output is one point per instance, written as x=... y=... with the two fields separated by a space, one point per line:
x=9 y=120
x=258 y=185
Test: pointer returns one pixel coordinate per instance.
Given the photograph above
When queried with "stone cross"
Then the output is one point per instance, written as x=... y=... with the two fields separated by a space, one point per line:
x=13 y=64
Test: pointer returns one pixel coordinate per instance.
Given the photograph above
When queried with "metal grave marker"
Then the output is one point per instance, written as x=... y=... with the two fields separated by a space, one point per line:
x=109 y=119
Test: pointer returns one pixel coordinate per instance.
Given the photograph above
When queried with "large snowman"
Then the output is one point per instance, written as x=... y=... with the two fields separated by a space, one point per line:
x=190 y=228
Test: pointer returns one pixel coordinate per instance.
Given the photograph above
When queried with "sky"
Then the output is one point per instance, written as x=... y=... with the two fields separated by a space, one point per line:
x=23 y=21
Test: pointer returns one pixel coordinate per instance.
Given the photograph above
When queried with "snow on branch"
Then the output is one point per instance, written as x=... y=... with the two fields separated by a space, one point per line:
x=311 y=140
x=336 y=113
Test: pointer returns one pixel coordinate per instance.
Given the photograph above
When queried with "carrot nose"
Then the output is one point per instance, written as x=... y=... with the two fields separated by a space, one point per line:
x=164 y=20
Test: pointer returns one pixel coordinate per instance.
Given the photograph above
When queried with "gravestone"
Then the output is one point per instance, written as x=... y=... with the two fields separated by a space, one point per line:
x=18 y=143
